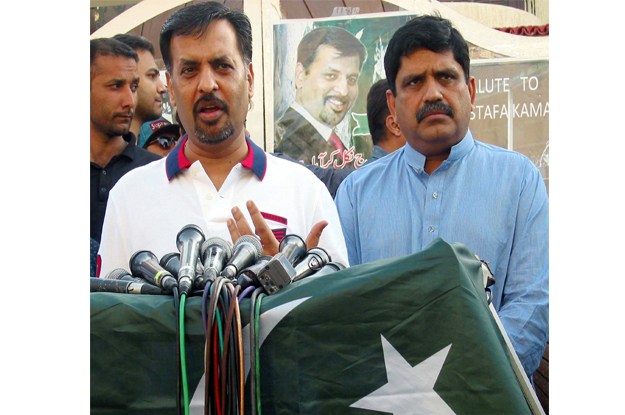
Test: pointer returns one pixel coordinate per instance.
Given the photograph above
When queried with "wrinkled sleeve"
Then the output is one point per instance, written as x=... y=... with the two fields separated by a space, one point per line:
x=349 y=220
x=114 y=248
x=332 y=236
x=524 y=309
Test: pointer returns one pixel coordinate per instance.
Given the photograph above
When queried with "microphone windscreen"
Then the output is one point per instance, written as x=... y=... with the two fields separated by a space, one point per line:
x=145 y=264
x=315 y=259
x=246 y=251
x=171 y=262
x=116 y=274
x=189 y=240
x=216 y=242
x=294 y=248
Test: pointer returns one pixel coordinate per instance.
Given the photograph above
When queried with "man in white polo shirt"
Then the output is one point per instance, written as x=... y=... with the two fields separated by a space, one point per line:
x=215 y=169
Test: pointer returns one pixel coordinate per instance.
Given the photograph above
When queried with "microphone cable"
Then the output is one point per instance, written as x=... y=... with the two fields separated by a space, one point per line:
x=229 y=357
x=179 y=408
x=224 y=366
x=246 y=292
x=212 y=319
x=255 y=302
x=183 y=363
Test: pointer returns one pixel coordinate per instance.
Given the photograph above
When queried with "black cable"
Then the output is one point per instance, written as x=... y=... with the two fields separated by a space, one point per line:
x=253 y=397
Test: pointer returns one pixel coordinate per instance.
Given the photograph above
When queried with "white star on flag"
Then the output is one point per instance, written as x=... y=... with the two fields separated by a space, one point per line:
x=410 y=390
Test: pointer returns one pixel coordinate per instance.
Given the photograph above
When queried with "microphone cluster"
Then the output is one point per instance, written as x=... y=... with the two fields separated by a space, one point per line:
x=223 y=275
x=200 y=261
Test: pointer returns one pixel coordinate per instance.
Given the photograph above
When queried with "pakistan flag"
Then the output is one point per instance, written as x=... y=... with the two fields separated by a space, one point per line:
x=411 y=335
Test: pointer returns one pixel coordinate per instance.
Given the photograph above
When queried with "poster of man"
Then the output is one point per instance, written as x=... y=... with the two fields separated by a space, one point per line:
x=310 y=104
x=329 y=60
x=324 y=69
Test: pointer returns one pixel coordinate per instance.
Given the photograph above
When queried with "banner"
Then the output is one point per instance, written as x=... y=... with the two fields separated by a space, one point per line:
x=511 y=109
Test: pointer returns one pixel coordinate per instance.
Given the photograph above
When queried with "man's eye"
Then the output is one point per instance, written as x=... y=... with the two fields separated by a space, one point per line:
x=330 y=76
x=352 y=80
x=134 y=87
x=186 y=71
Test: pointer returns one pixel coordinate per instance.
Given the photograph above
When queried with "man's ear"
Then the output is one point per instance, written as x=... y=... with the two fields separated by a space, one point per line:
x=390 y=101
x=250 y=81
x=392 y=125
x=170 y=88
x=472 y=91
x=299 y=75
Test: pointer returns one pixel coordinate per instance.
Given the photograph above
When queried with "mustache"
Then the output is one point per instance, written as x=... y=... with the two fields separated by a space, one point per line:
x=210 y=97
x=129 y=113
x=435 y=107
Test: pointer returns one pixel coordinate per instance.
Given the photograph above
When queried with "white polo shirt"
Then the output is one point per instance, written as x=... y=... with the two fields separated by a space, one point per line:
x=149 y=205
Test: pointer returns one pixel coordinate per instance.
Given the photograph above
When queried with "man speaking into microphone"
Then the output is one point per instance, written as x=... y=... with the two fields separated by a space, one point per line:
x=215 y=169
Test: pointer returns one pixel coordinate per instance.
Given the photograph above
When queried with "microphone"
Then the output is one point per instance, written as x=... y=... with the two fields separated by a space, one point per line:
x=329 y=268
x=145 y=264
x=188 y=241
x=294 y=248
x=123 y=287
x=215 y=253
x=315 y=259
x=171 y=262
x=245 y=252
x=123 y=275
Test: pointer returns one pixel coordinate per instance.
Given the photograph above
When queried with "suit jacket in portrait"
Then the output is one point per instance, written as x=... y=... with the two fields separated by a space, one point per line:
x=298 y=139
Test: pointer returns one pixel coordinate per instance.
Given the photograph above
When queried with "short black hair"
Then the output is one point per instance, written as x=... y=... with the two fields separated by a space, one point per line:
x=136 y=42
x=377 y=110
x=111 y=47
x=425 y=32
x=340 y=39
x=194 y=20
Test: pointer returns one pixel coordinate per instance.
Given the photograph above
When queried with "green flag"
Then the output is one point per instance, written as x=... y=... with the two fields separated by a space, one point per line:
x=401 y=336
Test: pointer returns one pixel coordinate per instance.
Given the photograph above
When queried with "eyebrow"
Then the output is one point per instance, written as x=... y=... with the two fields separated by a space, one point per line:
x=443 y=71
x=117 y=81
x=217 y=59
x=222 y=58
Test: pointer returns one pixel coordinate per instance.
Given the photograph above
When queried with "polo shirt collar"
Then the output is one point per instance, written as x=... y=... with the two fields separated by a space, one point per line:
x=130 y=137
x=130 y=149
x=256 y=159
x=417 y=160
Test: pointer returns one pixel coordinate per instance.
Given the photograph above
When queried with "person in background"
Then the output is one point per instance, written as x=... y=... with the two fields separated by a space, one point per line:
x=151 y=88
x=385 y=133
x=161 y=136
x=113 y=96
x=445 y=184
